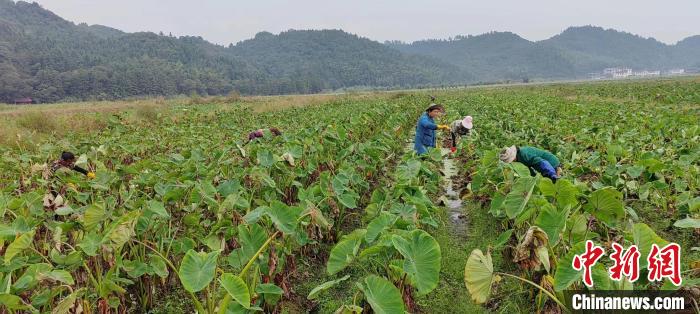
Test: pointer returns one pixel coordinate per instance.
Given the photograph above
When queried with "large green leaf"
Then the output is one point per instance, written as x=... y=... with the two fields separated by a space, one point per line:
x=325 y=286
x=31 y=277
x=564 y=192
x=552 y=221
x=90 y=243
x=644 y=237
x=421 y=259
x=566 y=275
x=197 y=270
x=251 y=238
x=270 y=292
x=236 y=288
x=345 y=251
x=283 y=216
x=687 y=223
x=606 y=205
x=518 y=197
x=382 y=295
x=265 y=158
x=382 y=222
x=20 y=244
x=158 y=209
x=407 y=171
x=520 y=169
x=348 y=200
x=478 y=276
x=14 y=302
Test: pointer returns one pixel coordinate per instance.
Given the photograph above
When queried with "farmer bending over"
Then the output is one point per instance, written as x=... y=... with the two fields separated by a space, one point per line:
x=67 y=161
x=459 y=128
x=425 y=128
x=259 y=133
x=538 y=159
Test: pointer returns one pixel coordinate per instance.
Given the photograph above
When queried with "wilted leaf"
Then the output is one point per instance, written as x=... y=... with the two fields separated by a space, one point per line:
x=527 y=253
x=478 y=276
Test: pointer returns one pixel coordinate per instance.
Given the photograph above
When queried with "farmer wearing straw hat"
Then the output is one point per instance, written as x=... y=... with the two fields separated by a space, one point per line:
x=540 y=160
x=458 y=128
x=425 y=128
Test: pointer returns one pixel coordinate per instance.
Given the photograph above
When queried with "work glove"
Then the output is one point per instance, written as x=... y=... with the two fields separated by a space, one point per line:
x=91 y=175
x=443 y=127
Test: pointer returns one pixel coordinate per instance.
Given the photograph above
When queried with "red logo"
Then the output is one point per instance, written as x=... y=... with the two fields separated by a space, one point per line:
x=587 y=260
x=626 y=263
x=665 y=263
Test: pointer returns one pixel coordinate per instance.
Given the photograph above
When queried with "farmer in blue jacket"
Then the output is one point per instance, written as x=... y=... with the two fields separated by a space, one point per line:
x=425 y=128
x=540 y=160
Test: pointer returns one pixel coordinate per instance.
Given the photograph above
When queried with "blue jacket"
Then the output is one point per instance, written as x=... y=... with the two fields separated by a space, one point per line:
x=425 y=134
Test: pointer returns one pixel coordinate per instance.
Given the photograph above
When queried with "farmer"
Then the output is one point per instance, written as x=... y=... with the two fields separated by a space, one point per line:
x=425 y=128
x=67 y=161
x=459 y=128
x=538 y=159
x=259 y=133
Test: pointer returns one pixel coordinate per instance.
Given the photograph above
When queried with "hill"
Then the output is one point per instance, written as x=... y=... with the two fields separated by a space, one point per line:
x=574 y=53
x=49 y=59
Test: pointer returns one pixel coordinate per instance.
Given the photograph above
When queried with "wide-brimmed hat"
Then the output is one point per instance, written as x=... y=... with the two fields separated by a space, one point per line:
x=508 y=155
x=467 y=122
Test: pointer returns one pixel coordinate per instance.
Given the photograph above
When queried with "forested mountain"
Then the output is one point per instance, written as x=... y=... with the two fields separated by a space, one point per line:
x=311 y=61
x=495 y=56
x=574 y=53
x=49 y=59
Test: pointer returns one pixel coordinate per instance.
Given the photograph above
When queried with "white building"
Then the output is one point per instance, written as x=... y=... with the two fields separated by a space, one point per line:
x=676 y=72
x=618 y=72
x=646 y=73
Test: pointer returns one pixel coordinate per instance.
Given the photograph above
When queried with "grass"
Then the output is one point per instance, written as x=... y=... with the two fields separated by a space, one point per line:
x=32 y=124
x=451 y=295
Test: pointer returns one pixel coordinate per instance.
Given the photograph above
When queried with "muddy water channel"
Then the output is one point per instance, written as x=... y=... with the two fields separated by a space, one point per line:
x=450 y=199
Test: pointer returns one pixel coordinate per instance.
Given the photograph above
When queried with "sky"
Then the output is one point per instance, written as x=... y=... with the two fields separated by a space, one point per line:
x=230 y=21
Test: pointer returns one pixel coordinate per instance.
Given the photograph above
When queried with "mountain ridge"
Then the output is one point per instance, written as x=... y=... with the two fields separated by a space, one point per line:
x=48 y=58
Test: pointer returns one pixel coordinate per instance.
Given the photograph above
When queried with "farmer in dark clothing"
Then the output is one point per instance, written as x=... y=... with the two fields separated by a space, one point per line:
x=67 y=161
x=540 y=160
x=425 y=128
x=259 y=133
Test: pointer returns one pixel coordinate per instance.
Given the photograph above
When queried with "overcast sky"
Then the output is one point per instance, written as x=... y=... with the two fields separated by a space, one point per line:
x=230 y=21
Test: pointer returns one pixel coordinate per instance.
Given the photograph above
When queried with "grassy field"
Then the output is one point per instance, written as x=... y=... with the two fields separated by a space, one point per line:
x=184 y=215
